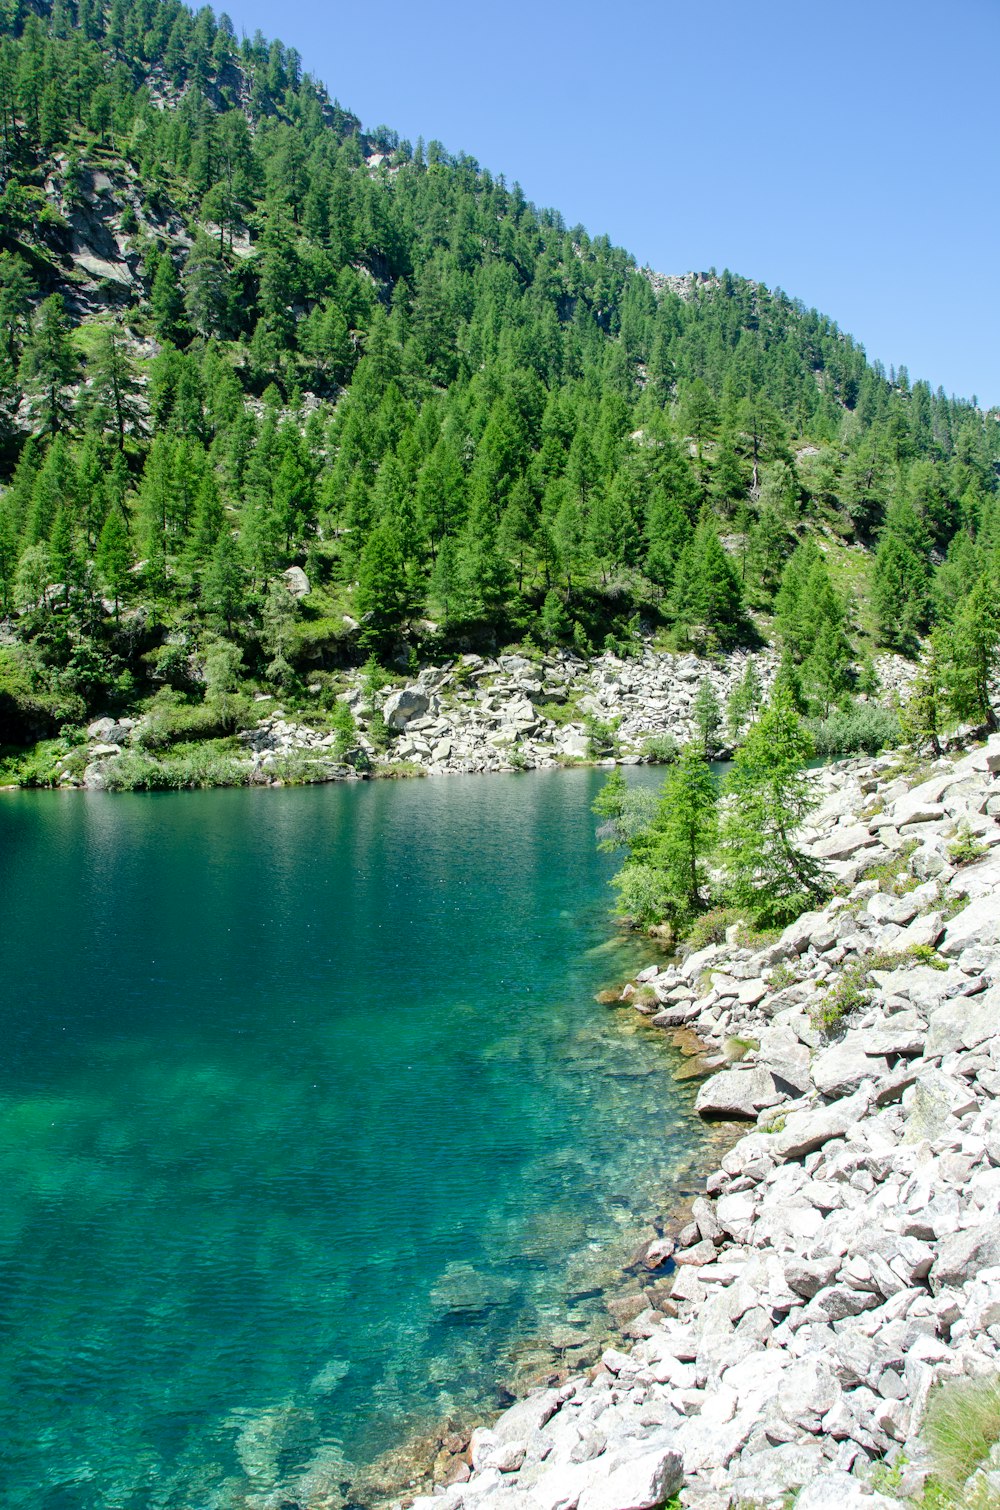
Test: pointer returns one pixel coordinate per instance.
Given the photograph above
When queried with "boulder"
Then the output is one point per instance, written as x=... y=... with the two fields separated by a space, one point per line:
x=979 y=923
x=931 y=1103
x=922 y=803
x=296 y=581
x=838 y=1490
x=981 y=879
x=807 y=1130
x=842 y=1067
x=738 y=1093
x=407 y=703
x=641 y=1484
x=844 y=842
x=962 y=1255
x=963 y=1023
x=889 y=909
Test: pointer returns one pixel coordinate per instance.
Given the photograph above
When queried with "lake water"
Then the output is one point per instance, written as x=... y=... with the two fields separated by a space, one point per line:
x=309 y=1124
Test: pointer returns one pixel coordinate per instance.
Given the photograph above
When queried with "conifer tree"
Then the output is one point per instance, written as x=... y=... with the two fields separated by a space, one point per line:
x=49 y=366
x=768 y=797
x=707 y=714
x=114 y=557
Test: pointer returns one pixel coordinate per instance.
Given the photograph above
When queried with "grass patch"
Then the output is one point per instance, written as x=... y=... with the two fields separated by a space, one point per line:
x=397 y=770
x=961 y=1427
x=890 y=876
x=561 y=713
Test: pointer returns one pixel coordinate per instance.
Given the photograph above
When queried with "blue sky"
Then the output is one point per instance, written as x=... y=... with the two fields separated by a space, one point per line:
x=844 y=151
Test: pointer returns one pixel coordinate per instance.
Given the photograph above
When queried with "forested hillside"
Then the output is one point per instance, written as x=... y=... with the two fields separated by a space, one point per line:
x=277 y=394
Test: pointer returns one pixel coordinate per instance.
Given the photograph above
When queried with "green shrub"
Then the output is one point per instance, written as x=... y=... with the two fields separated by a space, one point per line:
x=661 y=749
x=173 y=719
x=710 y=927
x=602 y=735
x=198 y=766
x=851 y=992
x=965 y=847
x=864 y=728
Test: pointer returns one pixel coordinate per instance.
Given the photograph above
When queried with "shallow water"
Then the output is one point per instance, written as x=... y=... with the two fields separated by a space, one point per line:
x=308 y=1119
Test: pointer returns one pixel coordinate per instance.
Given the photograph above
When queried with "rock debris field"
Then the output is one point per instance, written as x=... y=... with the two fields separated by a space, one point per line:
x=845 y=1258
x=483 y=715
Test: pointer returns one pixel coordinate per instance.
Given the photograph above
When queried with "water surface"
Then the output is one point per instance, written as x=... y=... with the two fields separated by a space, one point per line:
x=309 y=1123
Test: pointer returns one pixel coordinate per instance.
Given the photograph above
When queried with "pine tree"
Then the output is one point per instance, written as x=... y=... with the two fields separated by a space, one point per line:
x=972 y=653
x=49 y=366
x=922 y=713
x=166 y=300
x=114 y=386
x=664 y=878
x=707 y=715
x=114 y=557
x=381 y=596
x=223 y=583
x=768 y=797
x=206 y=289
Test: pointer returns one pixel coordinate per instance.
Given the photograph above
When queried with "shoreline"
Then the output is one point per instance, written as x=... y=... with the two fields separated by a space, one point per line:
x=843 y=1260
x=632 y=1303
x=476 y=716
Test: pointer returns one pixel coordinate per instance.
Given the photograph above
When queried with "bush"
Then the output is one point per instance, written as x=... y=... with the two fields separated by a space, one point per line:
x=965 y=847
x=711 y=927
x=171 y=719
x=602 y=737
x=850 y=994
x=200 y=766
x=864 y=728
x=661 y=749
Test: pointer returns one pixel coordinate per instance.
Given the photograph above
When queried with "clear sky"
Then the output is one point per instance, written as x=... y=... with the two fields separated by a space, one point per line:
x=845 y=151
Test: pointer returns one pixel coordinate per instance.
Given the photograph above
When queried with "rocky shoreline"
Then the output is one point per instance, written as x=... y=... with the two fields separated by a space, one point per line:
x=475 y=716
x=845 y=1256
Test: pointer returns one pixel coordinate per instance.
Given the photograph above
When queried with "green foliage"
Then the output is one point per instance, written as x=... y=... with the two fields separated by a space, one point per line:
x=961 y=1427
x=965 y=847
x=602 y=740
x=661 y=749
x=498 y=424
x=199 y=765
x=707 y=714
x=768 y=798
x=850 y=993
x=861 y=727
x=664 y=877
x=710 y=927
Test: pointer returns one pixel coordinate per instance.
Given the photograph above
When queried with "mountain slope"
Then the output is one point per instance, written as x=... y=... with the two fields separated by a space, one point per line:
x=246 y=341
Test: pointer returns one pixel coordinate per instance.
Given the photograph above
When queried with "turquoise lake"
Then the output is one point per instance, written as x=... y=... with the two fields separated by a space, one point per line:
x=310 y=1125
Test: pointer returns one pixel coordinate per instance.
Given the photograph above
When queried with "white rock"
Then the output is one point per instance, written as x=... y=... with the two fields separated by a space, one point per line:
x=641 y=1484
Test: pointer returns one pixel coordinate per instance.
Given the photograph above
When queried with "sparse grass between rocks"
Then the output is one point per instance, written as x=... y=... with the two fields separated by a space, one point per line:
x=961 y=1428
